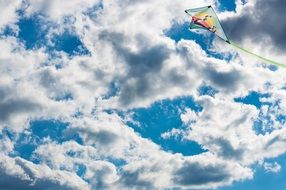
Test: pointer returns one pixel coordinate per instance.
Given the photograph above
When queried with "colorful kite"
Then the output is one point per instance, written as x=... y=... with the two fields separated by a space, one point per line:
x=206 y=18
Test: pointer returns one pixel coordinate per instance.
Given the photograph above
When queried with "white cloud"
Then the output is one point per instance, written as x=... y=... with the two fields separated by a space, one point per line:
x=8 y=14
x=252 y=16
x=225 y=129
x=101 y=155
x=6 y=144
x=272 y=167
x=57 y=9
x=18 y=173
x=189 y=116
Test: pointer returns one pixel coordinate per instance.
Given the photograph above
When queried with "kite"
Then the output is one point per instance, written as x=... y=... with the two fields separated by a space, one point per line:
x=206 y=18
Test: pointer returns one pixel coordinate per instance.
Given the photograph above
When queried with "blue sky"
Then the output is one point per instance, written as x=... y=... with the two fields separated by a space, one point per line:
x=227 y=5
x=263 y=179
x=96 y=101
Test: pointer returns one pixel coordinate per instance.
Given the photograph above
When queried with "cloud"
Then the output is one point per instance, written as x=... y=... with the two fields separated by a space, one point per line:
x=222 y=136
x=54 y=9
x=15 y=107
x=132 y=180
x=6 y=144
x=261 y=18
x=206 y=171
x=195 y=174
x=8 y=14
x=102 y=175
x=18 y=173
x=233 y=137
x=22 y=94
x=141 y=164
x=226 y=80
x=272 y=167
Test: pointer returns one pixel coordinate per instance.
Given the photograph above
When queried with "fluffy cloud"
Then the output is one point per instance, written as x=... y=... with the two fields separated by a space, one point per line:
x=22 y=94
x=260 y=18
x=229 y=132
x=209 y=173
x=272 y=167
x=8 y=14
x=141 y=164
x=259 y=23
x=18 y=173
x=54 y=9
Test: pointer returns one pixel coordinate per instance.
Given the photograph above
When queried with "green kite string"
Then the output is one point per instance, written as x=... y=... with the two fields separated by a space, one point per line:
x=258 y=56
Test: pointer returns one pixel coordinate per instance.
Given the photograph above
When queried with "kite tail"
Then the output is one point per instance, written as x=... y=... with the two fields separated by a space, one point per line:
x=258 y=56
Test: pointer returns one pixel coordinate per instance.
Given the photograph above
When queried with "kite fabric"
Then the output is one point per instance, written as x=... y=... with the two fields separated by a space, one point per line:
x=206 y=18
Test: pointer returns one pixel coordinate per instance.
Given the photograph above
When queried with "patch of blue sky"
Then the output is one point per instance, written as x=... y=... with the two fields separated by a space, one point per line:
x=272 y=67
x=207 y=90
x=253 y=98
x=69 y=43
x=281 y=119
x=80 y=170
x=226 y=5
x=7 y=133
x=64 y=97
x=117 y=162
x=7 y=31
x=181 y=31
x=264 y=180
x=264 y=123
x=162 y=117
x=113 y=90
x=55 y=130
x=33 y=32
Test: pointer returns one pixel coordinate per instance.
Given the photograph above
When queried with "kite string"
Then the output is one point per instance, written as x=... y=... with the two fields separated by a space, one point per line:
x=258 y=56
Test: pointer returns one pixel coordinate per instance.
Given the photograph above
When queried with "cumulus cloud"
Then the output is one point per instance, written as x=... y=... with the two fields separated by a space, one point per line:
x=18 y=173
x=8 y=15
x=227 y=133
x=54 y=9
x=239 y=141
x=209 y=173
x=141 y=161
x=257 y=23
x=272 y=167
x=260 y=18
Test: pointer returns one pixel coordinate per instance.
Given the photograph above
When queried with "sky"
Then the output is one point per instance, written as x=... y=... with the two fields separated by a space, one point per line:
x=120 y=94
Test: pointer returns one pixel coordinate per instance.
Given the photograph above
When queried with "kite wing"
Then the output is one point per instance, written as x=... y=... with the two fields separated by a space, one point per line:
x=206 y=18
